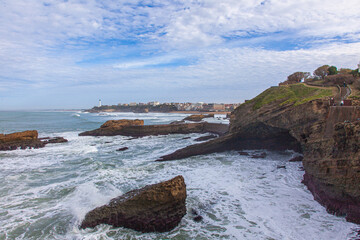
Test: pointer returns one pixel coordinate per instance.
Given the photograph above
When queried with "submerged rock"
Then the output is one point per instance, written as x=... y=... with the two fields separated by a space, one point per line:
x=154 y=208
x=122 y=149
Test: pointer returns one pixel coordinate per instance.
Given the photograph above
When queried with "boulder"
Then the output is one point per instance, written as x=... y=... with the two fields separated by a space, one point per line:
x=154 y=208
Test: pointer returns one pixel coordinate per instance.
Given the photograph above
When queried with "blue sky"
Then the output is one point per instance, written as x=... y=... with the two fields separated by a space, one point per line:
x=70 y=53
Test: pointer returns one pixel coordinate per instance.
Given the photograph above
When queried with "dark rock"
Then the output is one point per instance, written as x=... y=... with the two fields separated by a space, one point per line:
x=178 y=122
x=198 y=117
x=154 y=208
x=259 y=155
x=243 y=153
x=122 y=149
x=55 y=140
x=204 y=138
x=194 y=212
x=186 y=138
x=298 y=158
x=281 y=166
x=198 y=218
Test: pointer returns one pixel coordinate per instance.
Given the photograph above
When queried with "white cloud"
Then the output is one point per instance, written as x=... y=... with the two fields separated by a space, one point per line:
x=44 y=42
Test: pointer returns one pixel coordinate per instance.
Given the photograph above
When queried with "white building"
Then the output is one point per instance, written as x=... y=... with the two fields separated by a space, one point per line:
x=99 y=102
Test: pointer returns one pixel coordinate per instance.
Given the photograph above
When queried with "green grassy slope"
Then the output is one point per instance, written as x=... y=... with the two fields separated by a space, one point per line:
x=296 y=94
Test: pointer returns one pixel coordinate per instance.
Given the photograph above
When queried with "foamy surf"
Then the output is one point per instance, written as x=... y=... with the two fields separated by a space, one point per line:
x=45 y=193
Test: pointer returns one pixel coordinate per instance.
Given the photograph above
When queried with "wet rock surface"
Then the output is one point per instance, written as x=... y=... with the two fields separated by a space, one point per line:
x=154 y=208
x=122 y=149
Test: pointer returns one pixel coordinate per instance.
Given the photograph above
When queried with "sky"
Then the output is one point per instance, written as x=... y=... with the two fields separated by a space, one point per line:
x=66 y=54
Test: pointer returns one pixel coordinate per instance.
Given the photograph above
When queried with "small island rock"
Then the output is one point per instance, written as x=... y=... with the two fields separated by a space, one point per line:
x=154 y=208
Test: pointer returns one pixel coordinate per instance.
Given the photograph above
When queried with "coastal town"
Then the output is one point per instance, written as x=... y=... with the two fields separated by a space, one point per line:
x=166 y=107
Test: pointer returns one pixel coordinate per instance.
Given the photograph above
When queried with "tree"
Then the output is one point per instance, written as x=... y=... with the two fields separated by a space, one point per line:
x=332 y=70
x=298 y=76
x=322 y=71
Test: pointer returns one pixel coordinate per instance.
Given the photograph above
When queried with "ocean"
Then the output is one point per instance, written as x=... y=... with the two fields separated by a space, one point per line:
x=45 y=193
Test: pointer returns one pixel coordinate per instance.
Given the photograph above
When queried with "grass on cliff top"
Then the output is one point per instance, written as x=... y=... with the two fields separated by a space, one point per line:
x=295 y=93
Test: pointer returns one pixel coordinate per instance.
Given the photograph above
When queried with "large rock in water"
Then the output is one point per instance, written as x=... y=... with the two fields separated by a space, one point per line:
x=136 y=128
x=198 y=117
x=154 y=208
x=26 y=139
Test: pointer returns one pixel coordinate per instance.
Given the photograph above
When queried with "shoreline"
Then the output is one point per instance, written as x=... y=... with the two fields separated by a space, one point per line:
x=184 y=112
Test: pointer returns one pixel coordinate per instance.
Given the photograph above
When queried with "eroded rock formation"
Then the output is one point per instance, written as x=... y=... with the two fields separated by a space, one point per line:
x=154 y=208
x=135 y=128
x=26 y=139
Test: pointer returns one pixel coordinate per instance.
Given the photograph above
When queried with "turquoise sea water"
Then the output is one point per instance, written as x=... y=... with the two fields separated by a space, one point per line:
x=45 y=193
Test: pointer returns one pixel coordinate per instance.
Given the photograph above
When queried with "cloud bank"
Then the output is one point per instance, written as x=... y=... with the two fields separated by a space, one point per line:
x=74 y=52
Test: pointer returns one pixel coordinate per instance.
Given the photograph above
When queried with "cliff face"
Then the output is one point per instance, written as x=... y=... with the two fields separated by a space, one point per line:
x=329 y=139
x=327 y=136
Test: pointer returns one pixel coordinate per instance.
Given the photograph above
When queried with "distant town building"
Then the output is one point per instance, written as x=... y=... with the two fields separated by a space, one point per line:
x=132 y=104
x=154 y=103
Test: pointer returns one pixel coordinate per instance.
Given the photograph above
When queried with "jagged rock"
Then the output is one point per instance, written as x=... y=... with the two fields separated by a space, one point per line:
x=154 y=208
x=122 y=149
x=186 y=138
x=198 y=117
x=204 y=138
x=298 y=158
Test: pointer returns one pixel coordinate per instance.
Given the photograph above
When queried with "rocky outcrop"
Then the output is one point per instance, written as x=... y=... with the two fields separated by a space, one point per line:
x=135 y=128
x=198 y=117
x=26 y=139
x=154 y=208
x=327 y=136
x=333 y=170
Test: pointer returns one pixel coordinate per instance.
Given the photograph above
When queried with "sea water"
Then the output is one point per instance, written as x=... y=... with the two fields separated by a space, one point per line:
x=45 y=193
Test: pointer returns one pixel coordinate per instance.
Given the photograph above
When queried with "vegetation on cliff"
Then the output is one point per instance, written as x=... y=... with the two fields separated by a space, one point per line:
x=290 y=94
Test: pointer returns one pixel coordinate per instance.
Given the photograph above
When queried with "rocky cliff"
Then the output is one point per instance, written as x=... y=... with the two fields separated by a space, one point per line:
x=154 y=208
x=327 y=136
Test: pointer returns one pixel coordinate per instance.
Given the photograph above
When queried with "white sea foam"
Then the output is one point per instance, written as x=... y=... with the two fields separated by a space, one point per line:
x=45 y=193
